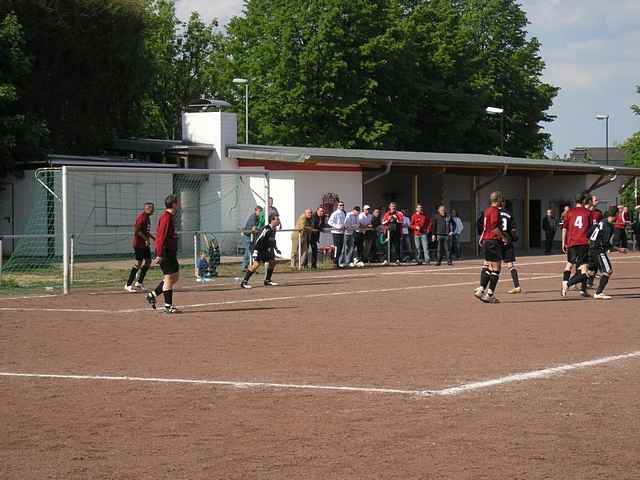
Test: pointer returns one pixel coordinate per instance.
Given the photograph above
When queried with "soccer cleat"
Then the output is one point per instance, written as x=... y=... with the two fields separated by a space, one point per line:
x=584 y=293
x=515 y=290
x=139 y=286
x=489 y=299
x=151 y=299
x=478 y=292
x=601 y=296
x=269 y=283
x=565 y=287
x=129 y=288
x=360 y=264
x=244 y=284
x=170 y=309
x=352 y=264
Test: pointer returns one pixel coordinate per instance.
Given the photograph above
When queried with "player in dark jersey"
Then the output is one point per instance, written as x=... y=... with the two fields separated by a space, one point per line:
x=141 y=248
x=596 y=217
x=599 y=244
x=265 y=250
x=575 y=244
x=167 y=255
x=491 y=241
x=510 y=234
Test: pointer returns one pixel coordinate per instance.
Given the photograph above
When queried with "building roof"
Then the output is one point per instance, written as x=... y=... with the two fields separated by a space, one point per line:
x=153 y=145
x=617 y=156
x=100 y=161
x=454 y=161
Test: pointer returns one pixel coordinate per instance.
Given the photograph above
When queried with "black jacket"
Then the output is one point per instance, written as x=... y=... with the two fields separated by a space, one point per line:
x=549 y=225
x=317 y=223
x=441 y=225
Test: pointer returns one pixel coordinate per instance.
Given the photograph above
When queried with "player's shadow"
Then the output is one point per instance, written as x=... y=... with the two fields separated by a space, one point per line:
x=626 y=295
x=542 y=300
x=247 y=309
x=310 y=284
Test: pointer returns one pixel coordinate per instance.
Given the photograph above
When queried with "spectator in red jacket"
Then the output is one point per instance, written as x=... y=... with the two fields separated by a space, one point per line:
x=421 y=226
x=393 y=220
x=619 y=228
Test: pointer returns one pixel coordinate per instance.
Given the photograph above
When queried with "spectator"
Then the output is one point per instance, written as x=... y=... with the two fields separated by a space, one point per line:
x=363 y=235
x=273 y=211
x=619 y=228
x=420 y=226
x=318 y=224
x=376 y=234
x=635 y=227
x=350 y=227
x=301 y=236
x=336 y=222
x=549 y=226
x=405 y=243
x=393 y=221
x=248 y=235
x=442 y=230
x=458 y=227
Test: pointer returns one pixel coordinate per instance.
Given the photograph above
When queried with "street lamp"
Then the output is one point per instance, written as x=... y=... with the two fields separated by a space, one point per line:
x=245 y=82
x=606 y=119
x=498 y=111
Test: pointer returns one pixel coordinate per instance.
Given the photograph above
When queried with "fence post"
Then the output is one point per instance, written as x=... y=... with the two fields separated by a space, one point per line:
x=65 y=231
x=1 y=252
x=72 y=255
x=299 y=250
x=195 y=254
x=388 y=247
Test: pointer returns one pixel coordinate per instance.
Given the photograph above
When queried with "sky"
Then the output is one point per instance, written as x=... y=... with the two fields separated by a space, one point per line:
x=591 y=51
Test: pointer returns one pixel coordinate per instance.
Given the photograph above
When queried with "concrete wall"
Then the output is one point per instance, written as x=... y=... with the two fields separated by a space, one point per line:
x=216 y=128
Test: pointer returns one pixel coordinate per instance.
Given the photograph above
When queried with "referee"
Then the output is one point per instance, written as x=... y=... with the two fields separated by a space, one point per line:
x=167 y=255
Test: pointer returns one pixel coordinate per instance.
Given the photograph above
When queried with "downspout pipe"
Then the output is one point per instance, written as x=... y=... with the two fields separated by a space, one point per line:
x=387 y=170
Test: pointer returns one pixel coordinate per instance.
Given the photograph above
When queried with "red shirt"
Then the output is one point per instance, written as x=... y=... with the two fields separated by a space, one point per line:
x=596 y=216
x=386 y=220
x=491 y=223
x=166 y=236
x=420 y=223
x=142 y=225
x=620 y=221
x=576 y=223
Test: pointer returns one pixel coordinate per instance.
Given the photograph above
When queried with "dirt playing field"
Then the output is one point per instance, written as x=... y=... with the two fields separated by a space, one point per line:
x=385 y=373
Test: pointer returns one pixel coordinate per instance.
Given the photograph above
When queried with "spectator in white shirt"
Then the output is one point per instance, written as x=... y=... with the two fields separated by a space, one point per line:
x=363 y=236
x=458 y=227
x=336 y=222
x=405 y=245
x=350 y=228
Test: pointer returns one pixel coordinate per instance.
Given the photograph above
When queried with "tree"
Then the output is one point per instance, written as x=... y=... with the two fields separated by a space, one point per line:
x=185 y=63
x=632 y=147
x=88 y=68
x=21 y=134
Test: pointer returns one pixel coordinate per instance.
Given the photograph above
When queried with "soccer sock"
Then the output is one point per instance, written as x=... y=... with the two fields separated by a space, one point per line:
x=604 y=279
x=493 y=282
x=577 y=278
x=484 y=276
x=158 y=291
x=269 y=273
x=566 y=275
x=143 y=273
x=514 y=277
x=132 y=276
x=168 y=297
x=583 y=284
x=247 y=275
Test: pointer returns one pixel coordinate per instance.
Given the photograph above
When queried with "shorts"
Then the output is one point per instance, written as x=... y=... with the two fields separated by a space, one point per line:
x=169 y=263
x=578 y=255
x=142 y=254
x=508 y=253
x=265 y=257
x=599 y=262
x=493 y=250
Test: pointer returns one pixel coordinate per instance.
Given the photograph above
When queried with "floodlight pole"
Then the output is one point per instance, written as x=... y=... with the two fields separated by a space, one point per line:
x=246 y=113
x=606 y=133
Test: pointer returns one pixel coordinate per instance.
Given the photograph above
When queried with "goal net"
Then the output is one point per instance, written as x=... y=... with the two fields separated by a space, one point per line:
x=101 y=207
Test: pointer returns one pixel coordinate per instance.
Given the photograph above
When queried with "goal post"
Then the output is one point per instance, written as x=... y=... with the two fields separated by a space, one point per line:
x=80 y=229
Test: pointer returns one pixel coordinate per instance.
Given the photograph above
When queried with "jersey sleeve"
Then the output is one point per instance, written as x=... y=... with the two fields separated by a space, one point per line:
x=161 y=233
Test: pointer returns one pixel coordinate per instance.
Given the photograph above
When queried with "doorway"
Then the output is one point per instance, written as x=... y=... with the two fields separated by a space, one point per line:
x=6 y=217
x=535 y=223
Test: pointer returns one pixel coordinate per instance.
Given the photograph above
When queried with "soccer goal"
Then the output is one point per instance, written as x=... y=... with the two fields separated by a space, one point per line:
x=80 y=230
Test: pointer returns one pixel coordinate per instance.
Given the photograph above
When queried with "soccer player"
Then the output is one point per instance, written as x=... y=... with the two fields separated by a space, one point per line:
x=141 y=247
x=491 y=241
x=510 y=235
x=575 y=244
x=265 y=250
x=596 y=217
x=599 y=244
x=167 y=255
